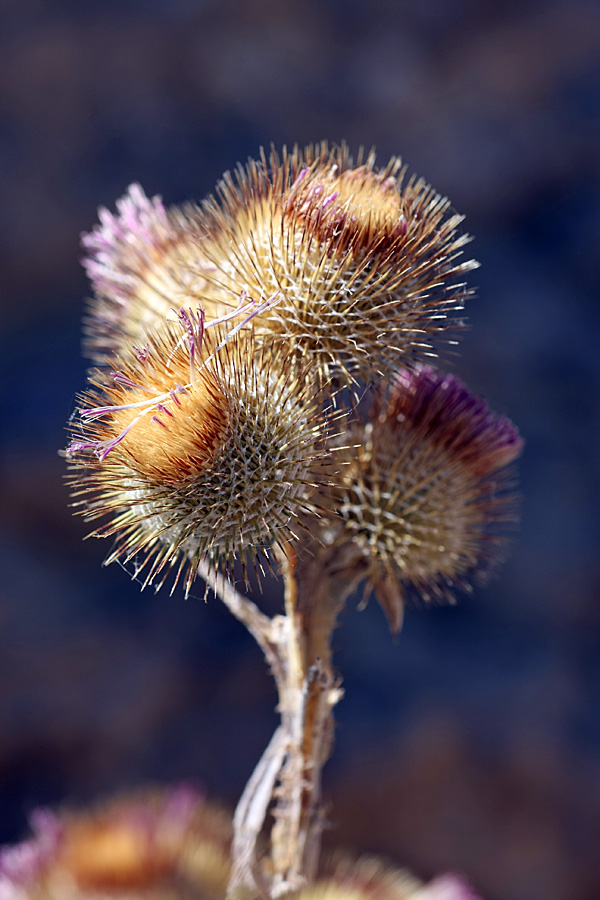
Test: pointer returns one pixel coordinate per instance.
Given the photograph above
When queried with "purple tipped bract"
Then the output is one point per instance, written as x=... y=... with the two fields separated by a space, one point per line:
x=133 y=846
x=143 y=264
x=441 y=404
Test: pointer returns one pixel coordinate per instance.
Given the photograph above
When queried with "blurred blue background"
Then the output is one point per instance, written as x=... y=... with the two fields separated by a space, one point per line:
x=471 y=742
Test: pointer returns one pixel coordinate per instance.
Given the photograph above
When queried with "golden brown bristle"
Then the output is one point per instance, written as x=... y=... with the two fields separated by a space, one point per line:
x=171 y=447
x=364 y=202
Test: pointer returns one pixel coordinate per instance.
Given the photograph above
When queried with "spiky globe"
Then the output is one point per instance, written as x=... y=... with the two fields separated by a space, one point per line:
x=365 y=263
x=199 y=447
x=428 y=495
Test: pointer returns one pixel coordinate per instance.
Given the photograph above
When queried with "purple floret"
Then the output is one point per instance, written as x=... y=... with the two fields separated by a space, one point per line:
x=451 y=414
x=22 y=864
x=139 y=225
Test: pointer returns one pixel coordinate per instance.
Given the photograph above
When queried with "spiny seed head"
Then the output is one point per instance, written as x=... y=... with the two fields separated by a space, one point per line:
x=428 y=492
x=198 y=448
x=152 y=845
x=366 y=263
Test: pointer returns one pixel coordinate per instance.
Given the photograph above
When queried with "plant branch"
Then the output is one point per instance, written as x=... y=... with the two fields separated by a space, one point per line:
x=287 y=779
x=251 y=812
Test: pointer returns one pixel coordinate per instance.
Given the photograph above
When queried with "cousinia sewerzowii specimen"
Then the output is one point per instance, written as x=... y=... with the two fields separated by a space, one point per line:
x=264 y=393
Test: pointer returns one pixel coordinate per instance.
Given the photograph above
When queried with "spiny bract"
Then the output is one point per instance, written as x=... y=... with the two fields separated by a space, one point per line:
x=370 y=878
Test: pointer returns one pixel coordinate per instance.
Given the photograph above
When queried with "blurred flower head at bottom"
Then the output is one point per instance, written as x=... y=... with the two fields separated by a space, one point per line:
x=172 y=844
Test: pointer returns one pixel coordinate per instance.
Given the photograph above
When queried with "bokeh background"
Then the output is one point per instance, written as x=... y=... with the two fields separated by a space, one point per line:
x=472 y=742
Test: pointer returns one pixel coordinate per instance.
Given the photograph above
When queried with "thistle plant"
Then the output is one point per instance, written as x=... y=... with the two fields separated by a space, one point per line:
x=264 y=395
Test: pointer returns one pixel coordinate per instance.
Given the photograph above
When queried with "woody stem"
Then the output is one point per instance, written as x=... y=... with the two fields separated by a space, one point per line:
x=287 y=779
x=313 y=601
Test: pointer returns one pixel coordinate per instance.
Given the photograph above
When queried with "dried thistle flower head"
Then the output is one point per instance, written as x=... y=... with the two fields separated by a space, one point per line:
x=370 y=878
x=199 y=447
x=152 y=846
x=366 y=264
x=142 y=263
x=429 y=491
x=170 y=845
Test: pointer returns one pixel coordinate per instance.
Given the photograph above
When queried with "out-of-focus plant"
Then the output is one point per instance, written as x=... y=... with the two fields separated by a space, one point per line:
x=171 y=845
x=264 y=395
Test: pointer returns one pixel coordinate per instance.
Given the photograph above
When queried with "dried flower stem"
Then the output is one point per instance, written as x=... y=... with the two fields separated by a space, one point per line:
x=287 y=779
x=315 y=592
x=250 y=815
x=307 y=713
